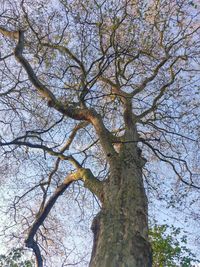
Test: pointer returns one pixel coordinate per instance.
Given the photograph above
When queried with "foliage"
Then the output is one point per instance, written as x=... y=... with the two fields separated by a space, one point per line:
x=169 y=247
x=15 y=258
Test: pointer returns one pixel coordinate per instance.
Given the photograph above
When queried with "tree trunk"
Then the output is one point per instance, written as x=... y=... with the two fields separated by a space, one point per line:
x=121 y=228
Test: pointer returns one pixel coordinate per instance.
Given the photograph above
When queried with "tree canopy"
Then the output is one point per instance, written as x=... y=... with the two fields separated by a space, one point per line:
x=15 y=258
x=95 y=95
x=170 y=247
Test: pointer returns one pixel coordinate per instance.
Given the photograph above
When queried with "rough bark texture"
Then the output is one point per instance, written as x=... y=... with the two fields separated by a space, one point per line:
x=121 y=228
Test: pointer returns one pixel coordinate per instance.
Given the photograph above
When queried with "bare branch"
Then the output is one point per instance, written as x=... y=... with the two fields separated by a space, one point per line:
x=161 y=93
x=90 y=182
x=50 y=151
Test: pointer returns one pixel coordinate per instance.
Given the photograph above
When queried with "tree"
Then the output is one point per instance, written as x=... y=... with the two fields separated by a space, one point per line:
x=169 y=248
x=92 y=94
x=15 y=259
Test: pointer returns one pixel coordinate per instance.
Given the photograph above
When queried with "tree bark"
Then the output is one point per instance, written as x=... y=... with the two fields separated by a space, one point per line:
x=121 y=227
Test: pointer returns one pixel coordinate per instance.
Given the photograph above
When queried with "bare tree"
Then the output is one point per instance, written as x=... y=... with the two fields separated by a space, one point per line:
x=94 y=93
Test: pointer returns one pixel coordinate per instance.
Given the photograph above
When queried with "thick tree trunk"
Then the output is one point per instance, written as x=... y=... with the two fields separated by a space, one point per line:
x=121 y=228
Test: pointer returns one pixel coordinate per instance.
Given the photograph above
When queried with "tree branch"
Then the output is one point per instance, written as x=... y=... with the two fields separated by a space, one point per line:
x=71 y=111
x=150 y=78
x=64 y=49
x=166 y=159
x=42 y=89
x=159 y=96
x=30 y=242
x=162 y=89
x=50 y=151
x=90 y=182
